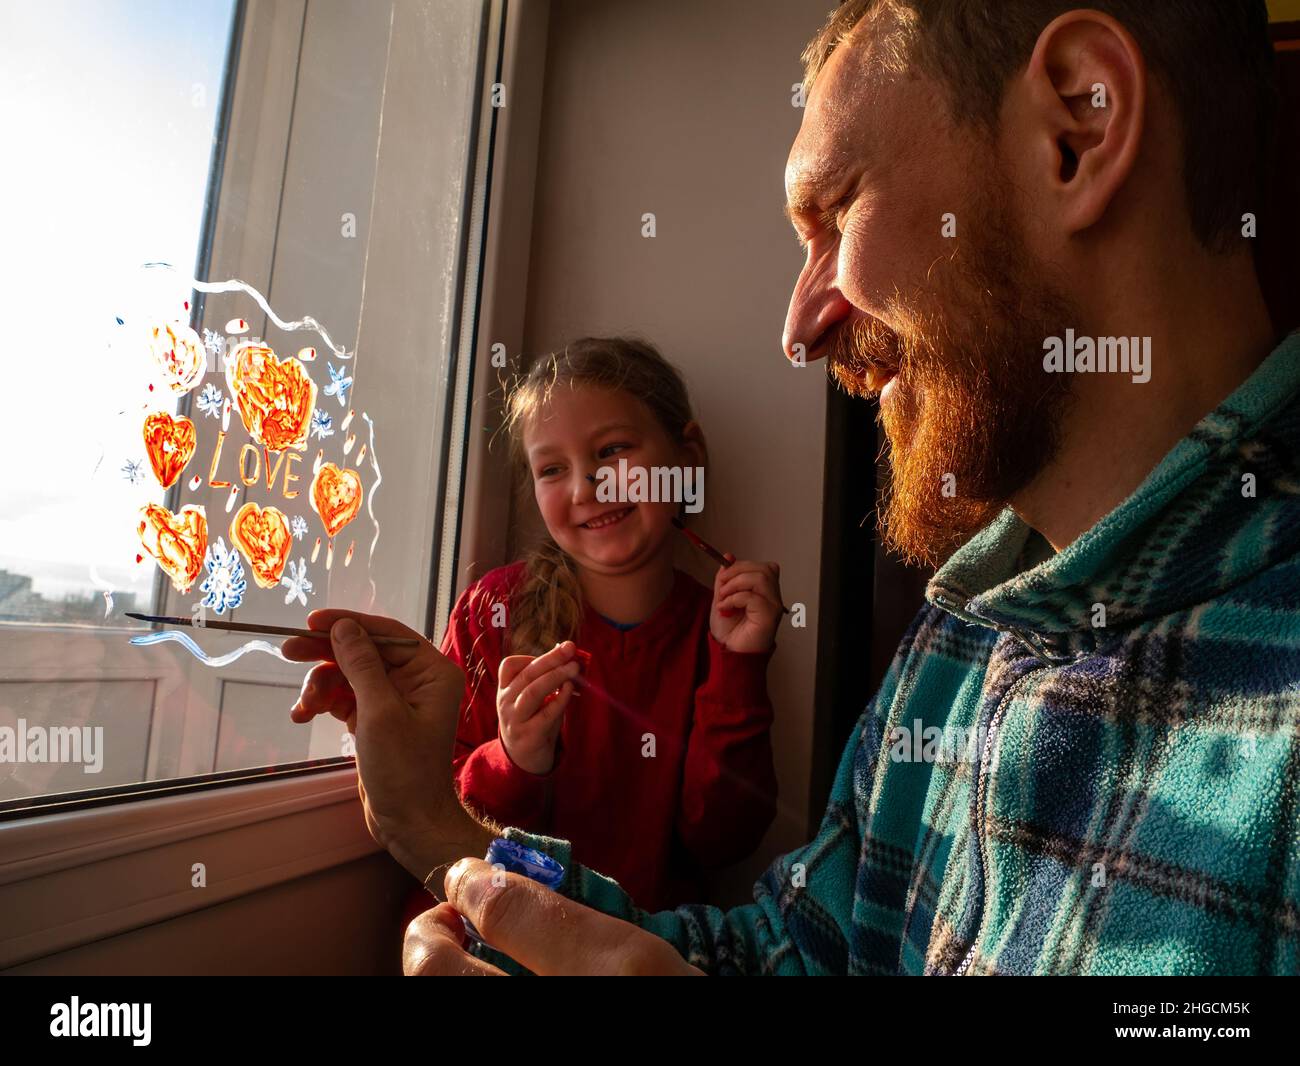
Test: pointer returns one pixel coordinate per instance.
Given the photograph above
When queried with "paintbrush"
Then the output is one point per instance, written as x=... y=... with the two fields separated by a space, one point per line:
x=709 y=550
x=274 y=631
x=704 y=546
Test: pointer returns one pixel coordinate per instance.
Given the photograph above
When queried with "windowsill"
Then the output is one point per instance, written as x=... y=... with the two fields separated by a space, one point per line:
x=73 y=878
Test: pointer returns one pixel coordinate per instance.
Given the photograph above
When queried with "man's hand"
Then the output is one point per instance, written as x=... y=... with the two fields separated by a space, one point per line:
x=540 y=929
x=401 y=704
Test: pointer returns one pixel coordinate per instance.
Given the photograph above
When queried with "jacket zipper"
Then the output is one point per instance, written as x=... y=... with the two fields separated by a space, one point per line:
x=1030 y=640
x=980 y=815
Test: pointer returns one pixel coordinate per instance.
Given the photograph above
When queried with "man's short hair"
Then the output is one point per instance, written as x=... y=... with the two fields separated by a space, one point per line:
x=1214 y=58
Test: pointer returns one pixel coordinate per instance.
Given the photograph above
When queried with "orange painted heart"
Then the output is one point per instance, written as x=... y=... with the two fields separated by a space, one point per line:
x=336 y=496
x=275 y=397
x=262 y=534
x=169 y=442
x=178 y=542
x=180 y=355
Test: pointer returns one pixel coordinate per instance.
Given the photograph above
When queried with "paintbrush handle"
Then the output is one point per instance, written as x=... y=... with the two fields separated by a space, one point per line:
x=266 y=630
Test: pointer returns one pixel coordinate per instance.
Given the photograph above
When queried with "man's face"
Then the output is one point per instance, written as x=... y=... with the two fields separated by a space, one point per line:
x=918 y=285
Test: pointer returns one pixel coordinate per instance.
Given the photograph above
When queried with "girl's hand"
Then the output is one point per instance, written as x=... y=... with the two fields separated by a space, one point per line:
x=529 y=723
x=746 y=605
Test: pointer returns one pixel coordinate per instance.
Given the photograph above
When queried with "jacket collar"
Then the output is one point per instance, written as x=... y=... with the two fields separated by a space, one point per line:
x=1186 y=535
x=668 y=617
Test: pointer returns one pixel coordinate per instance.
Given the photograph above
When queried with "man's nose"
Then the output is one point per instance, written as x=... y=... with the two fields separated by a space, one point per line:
x=816 y=308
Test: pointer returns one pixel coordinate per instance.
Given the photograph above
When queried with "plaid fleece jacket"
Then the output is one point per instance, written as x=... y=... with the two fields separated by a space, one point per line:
x=1078 y=763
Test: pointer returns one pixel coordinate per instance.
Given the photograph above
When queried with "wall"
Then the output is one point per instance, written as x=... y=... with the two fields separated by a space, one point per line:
x=684 y=110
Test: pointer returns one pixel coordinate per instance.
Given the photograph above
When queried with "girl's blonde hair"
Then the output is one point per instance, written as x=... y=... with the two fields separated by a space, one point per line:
x=546 y=608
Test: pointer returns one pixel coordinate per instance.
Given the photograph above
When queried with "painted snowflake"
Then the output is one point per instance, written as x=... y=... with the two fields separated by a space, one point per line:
x=297 y=582
x=215 y=343
x=133 y=471
x=209 y=400
x=322 y=424
x=339 y=384
x=298 y=526
x=224 y=587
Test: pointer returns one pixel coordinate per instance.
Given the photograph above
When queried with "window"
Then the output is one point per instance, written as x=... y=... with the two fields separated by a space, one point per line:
x=325 y=153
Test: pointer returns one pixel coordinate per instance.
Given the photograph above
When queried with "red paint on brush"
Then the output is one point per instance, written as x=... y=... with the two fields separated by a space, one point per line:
x=704 y=546
x=584 y=661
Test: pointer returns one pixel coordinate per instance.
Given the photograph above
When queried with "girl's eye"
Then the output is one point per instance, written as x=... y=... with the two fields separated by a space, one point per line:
x=611 y=449
x=547 y=471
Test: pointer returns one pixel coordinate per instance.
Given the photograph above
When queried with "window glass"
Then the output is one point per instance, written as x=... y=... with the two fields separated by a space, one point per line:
x=236 y=276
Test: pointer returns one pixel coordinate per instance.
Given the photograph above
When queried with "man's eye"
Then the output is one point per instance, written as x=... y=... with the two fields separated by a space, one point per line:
x=830 y=218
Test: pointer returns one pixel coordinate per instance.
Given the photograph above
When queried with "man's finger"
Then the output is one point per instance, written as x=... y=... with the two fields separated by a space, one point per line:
x=310 y=649
x=325 y=691
x=434 y=945
x=550 y=934
x=361 y=663
x=378 y=625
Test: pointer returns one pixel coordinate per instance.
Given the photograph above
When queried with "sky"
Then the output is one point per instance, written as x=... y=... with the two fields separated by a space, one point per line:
x=107 y=112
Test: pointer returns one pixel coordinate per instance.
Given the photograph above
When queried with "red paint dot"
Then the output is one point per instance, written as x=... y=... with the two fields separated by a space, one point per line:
x=151 y=388
x=139 y=558
x=187 y=305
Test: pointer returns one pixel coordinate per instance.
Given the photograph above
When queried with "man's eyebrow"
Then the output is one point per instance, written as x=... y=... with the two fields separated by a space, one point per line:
x=801 y=201
x=799 y=205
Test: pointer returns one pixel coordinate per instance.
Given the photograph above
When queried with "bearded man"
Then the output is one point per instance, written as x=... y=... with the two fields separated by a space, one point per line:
x=1114 y=619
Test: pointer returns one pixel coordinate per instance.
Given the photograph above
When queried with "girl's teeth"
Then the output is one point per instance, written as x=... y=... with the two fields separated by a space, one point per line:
x=606 y=521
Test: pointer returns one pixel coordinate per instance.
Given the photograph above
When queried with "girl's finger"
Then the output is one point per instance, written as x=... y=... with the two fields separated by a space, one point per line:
x=510 y=667
x=529 y=700
x=739 y=602
x=542 y=665
x=555 y=704
x=756 y=580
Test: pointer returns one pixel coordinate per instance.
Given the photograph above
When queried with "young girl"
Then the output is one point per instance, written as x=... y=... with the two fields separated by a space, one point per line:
x=611 y=699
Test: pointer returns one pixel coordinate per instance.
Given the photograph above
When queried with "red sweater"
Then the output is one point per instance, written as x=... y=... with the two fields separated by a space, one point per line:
x=704 y=799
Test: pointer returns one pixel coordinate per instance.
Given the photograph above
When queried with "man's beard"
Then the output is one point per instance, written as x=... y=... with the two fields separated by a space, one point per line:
x=972 y=417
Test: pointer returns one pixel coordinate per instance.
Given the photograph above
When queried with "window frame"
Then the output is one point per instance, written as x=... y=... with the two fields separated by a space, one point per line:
x=273 y=30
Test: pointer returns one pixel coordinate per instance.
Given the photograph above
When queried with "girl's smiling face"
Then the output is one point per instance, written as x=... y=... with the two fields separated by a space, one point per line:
x=576 y=433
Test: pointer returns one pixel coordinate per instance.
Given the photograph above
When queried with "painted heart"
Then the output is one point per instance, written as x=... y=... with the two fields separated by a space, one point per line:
x=179 y=353
x=336 y=496
x=169 y=442
x=262 y=534
x=275 y=397
x=177 y=541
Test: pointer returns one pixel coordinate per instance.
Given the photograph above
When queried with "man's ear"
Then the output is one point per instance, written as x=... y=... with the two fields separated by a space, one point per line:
x=1082 y=103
